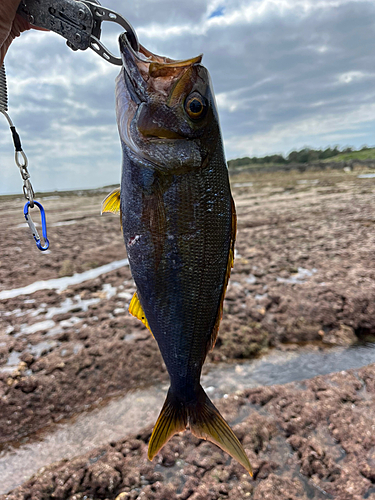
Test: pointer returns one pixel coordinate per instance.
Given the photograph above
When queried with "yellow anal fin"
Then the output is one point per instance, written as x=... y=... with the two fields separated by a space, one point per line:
x=206 y=423
x=211 y=343
x=136 y=310
x=111 y=203
x=172 y=419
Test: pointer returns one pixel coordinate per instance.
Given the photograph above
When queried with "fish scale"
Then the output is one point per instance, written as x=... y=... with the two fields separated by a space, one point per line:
x=199 y=315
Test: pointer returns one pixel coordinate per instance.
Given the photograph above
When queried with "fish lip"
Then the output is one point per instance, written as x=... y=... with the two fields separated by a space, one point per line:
x=133 y=78
x=125 y=47
x=142 y=66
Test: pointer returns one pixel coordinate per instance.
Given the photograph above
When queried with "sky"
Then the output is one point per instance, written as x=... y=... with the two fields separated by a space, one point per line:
x=286 y=73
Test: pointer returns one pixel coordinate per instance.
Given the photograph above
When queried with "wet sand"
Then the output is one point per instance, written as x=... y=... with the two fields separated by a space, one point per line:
x=303 y=274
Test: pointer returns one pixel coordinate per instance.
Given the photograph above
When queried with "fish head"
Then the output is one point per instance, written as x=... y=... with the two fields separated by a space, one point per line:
x=166 y=110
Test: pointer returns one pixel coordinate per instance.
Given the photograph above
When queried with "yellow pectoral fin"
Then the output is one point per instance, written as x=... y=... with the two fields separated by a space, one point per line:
x=111 y=204
x=136 y=310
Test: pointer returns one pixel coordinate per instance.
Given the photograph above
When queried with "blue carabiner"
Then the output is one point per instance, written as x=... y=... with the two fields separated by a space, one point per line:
x=34 y=229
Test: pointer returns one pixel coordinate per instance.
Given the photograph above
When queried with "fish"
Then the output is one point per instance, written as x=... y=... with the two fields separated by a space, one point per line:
x=179 y=225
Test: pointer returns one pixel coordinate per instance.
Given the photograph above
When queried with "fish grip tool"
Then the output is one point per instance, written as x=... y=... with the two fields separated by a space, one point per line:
x=22 y=163
x=78 y=21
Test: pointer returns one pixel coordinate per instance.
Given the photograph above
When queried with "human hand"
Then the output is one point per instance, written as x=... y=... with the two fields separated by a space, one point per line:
x=11 y=25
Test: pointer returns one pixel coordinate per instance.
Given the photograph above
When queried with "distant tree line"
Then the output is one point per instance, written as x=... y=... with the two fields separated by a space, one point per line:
x=305 y=155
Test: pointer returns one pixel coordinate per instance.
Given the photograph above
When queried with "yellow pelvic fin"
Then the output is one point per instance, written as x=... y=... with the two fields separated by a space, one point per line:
x=205 y=422
x=136 y=310
x=111 y=203
x=172 y=419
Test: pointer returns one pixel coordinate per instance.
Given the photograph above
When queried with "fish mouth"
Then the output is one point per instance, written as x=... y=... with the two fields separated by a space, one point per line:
x=147 y=73
x=154 y=83
x=132 y=75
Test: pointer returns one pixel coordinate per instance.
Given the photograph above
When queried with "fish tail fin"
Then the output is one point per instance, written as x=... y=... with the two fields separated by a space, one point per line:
x=172 y=419
x=205 y=422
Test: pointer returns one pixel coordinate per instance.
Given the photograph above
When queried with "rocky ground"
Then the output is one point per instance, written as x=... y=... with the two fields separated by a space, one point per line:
x=303 y=273
x=312 y=440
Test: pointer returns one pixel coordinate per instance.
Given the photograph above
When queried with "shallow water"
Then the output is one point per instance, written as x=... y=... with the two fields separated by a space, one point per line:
x=54 y=224
x=64 y=223
x=366 y=176
x=242 y=184
x=298 y=278
x=308 y=181
x=100 y=426
x=130 y=413
x=46 y=314
x=61 y=284
x=281 y=368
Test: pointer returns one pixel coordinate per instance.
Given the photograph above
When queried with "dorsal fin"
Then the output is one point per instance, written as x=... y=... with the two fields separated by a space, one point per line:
x=212 y=340
x=111 y=203
x=136 y=310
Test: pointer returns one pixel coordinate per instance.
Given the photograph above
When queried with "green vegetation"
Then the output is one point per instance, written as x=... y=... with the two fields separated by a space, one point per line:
x=306 y=155
x=363 y=154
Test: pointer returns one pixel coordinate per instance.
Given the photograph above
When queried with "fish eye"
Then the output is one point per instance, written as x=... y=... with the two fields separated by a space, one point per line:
x=195 y=106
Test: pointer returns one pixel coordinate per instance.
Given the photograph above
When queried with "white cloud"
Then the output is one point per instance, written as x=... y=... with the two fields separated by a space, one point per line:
x=319 y=130
x=241 y=13
x=241 y=98
x=351 y=76
x=286 y=73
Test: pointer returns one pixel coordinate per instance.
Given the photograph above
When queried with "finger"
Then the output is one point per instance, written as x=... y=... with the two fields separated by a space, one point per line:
x=38 y=28
x=19 y=25
x=8 y=10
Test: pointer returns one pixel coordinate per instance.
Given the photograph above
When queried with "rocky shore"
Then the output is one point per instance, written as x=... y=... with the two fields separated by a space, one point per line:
x=303 y=274
x=312 y=440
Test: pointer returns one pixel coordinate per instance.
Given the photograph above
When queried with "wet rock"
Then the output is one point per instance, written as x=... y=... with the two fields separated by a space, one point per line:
x=280 y=488
x=238 y=342
x=3 y=354
x=344 y=335
x=123 y=496
x=110 y=367
x=27 y=384
x=158 y=491
x=66 y=269
x=315 y=460
x=328 y=452
x=324 y=424
x=287 y=285
x=27 y=358
x=102 y=479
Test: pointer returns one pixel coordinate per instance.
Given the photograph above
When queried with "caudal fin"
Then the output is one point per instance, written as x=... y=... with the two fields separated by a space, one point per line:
x=172 y=419
x=204 y=421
